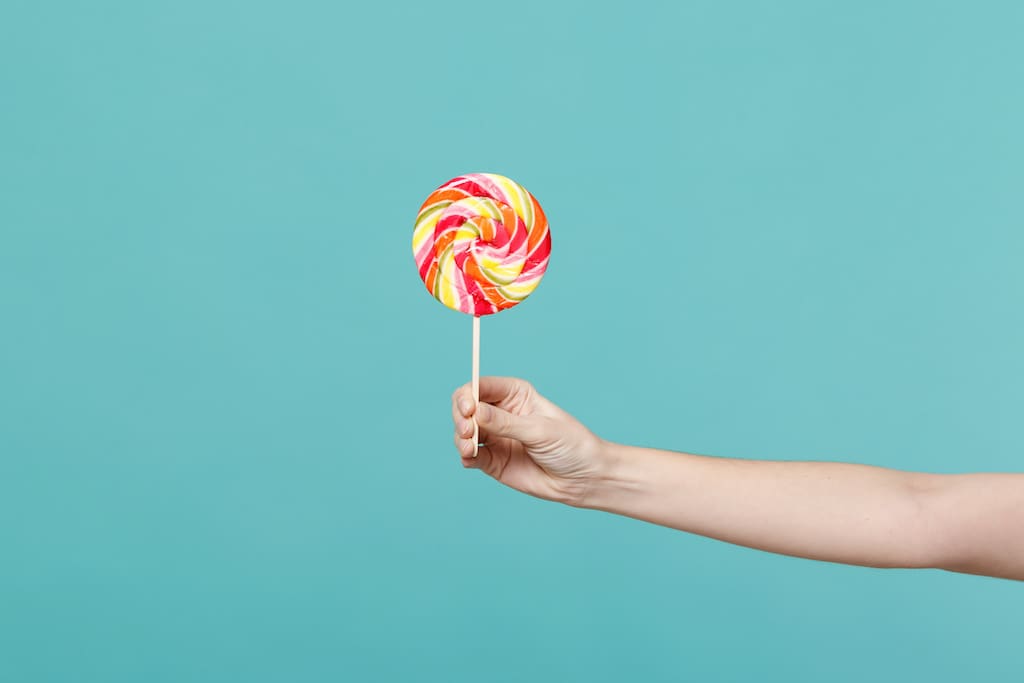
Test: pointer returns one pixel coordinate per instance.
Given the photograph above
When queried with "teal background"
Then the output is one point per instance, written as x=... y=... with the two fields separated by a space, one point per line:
x=780 y=230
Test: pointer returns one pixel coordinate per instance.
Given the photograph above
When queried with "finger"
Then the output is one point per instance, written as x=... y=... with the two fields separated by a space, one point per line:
x=498 y=389
x=462 y=402
x=498 y=422
x=464 y=427
x=484 y=461
x=464 y=446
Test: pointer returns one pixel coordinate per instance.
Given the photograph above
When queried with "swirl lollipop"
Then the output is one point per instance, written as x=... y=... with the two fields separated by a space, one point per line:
x=481 y=244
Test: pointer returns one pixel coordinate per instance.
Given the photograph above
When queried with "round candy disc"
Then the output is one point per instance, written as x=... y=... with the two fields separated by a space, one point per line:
x=481 y=243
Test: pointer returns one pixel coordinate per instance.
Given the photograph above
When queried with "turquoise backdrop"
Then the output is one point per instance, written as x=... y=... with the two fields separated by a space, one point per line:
x=780 y=230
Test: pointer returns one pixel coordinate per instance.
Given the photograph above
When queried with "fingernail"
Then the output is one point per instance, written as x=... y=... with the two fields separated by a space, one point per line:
x=483 y=412
x=465 y=405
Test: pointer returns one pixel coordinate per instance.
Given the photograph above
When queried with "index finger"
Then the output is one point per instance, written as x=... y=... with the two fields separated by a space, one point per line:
x=497 y=389
x=492 y=390
x=462 y=401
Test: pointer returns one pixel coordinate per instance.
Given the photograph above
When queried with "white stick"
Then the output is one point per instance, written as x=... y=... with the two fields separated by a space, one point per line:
x=476 y=381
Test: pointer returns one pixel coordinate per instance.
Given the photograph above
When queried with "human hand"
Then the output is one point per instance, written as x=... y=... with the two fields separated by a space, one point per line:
x=530 y=444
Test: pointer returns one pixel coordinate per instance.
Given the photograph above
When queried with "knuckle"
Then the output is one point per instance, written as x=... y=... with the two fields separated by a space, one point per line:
x=527 y=390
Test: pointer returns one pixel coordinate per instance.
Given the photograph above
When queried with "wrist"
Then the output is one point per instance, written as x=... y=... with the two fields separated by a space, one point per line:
x=617 y=476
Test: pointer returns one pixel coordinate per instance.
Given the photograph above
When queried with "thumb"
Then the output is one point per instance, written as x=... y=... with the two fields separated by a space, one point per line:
x=503 y=423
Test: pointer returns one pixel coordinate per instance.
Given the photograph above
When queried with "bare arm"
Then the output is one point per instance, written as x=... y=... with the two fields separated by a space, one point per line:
x=837 y=512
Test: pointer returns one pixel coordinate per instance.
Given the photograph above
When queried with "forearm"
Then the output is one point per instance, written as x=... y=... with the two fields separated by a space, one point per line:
x=838 y=512
x=855 y=514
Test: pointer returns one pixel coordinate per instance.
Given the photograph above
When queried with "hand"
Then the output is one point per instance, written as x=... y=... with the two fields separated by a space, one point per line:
x=530 y=444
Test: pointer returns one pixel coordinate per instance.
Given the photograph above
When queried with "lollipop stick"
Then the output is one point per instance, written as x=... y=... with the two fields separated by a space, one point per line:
x=476 y=381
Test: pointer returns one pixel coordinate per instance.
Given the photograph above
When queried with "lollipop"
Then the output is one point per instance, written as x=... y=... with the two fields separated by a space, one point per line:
x=481 y=244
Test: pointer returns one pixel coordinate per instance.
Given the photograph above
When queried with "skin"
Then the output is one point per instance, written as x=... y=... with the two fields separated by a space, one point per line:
x=835 y=512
